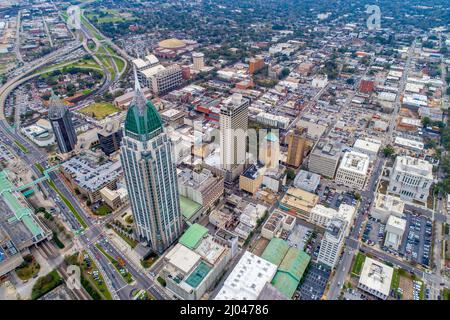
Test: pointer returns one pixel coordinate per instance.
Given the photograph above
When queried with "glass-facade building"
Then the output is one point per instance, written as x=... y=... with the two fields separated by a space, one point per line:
x=60 y=118
x=150 y=174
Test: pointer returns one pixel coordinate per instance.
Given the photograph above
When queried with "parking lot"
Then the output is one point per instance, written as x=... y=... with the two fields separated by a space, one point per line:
x=299 y=236
x=373 y=232
x=314 y=282
x=416 y=243
x=334 y=198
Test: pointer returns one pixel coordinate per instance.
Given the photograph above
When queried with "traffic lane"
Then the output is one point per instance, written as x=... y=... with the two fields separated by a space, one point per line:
x=144 y=282
x=117 y=281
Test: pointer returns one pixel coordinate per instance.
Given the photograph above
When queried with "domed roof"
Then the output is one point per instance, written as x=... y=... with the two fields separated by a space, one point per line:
x=172 y=44
x=142 y=118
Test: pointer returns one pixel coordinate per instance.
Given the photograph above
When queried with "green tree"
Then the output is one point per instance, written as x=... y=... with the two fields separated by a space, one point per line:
x=290 y=173
x=388 y=151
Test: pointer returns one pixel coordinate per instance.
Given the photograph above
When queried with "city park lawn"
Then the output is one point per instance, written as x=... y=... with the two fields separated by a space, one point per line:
x=46 y=284
x=359 y=262
x=28 y=269
x=99 y=110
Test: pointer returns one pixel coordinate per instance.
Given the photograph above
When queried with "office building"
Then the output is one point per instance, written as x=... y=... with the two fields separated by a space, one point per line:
x=385 y=205
x=251 y=179
x=352 y=171
x=395 y=229
x=376 y=278
x=160 y=79
x=115 y=199
x=269 y=151
x=150 y=175
x=324 y=159
x=272 y=120
x=296 y=148
x=201 y=186
x=233 y=135
x=367 y=146
x=333 y=242
x=110 y=137
x=321 y=215
x=307 y=181
x=198 y=59
x=60 y=118
x=411 y=179
x=255 y=64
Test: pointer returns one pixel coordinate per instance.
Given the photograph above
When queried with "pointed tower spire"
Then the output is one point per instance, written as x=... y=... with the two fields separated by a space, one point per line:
x=139 y=99
x=137 y=85
x=56 y=107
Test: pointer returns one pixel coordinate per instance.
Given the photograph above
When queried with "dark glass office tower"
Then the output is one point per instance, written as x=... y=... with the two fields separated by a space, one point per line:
x=61 y=119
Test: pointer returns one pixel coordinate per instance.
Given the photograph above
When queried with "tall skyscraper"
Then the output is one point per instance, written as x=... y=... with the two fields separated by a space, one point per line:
x=150 y=174
x=296 y=148
x=61 y=119
x=233 y=135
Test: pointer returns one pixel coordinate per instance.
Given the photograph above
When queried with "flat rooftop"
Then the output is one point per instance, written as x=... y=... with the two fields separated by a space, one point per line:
x=414 y=166
x=15 y=215
x=356 y=162
x=91 y=175
x=193 y=235
x=182 y=258
x=376 y=276
x=247 y=279
x=188 y=207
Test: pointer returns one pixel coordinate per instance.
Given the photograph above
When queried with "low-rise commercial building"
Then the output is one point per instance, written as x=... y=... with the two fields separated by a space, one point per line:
x=291 y=262
x=89 y=177
x=298 y=202
x=307 y=181
x=276 y=223
x=385 y=205
x=376 y=278
x=247 y=279
x=395 y=229
x=195 y=263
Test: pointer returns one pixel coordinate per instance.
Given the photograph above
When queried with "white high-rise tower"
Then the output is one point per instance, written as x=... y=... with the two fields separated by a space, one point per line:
x=150 y=174
x=233 y=135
